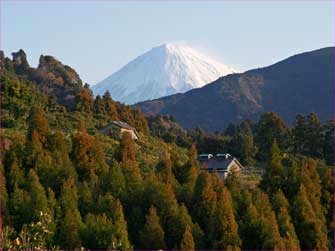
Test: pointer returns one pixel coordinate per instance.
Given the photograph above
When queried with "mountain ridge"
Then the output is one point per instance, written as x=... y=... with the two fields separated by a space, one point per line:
x=239 y=96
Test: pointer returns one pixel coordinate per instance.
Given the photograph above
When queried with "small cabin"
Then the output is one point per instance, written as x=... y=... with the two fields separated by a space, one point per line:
x=117 y=128
x=222 y=163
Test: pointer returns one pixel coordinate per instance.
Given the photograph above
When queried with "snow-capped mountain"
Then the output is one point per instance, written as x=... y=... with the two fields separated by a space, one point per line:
x=162 y=71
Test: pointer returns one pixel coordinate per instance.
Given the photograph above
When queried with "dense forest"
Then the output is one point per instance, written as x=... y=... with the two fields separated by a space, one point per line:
x=64 y=185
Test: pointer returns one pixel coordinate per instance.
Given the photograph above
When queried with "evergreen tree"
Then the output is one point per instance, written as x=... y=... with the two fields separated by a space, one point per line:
x=286 y=228
x=99 y=106
x=19 y=207
x=189 y=172
x=97 y=232
x=311 y=181
x=225 y=235
x=3 y=197
x=270 y=236
x=115 y=180
x=328 y=143
x=204 y=202
x=164 y=168
x=140 y=122
x=270 y=127
x=327 y=196
x=231 y=130
x=187 y=242
x=15 y=175
x=259 y=228
x=131 y=171
x=38 y=199
x=69 y=195
x=88 y=156
x=86 y=203
x=38 y=122
x=299 y=134
x=242 y=144
x=54 y=212
x=308 y=226
x=152 y=234
x=61 y=167
x=70 y=230
x=273 y=178
x=84 y=100
x=314 y=138
x=293 y=181
x=110 y=106
x=120 y=226
x=233 y=186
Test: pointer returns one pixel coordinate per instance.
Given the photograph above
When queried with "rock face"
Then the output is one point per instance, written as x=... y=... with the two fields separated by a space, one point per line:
x=303 y=83
x=51 y=76
x=164 y=70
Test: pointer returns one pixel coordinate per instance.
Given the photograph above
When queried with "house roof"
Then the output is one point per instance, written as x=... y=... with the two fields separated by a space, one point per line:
x=219 y=164
x=121 y=124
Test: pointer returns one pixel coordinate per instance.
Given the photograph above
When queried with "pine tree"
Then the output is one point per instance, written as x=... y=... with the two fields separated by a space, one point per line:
x=242 y=145
x=311 y=181
x=86 y=203
x=152 y=234
x=270 y=236
x=327 y=196
x=97 y=232
x=204 y=202
x=69 y=195
x=164 y=168
x=293 y=181
x=270 y=127
x=274 y=178
x=38 y=199
x=70 y=230
x=99 y=106
x=307 y=225
x=120 y=226
x=225 y=235
x=60 y=167
x=189 y=172
x=187 y=242
x=88 y=157
x=131 y=171
x=19 y=207
x=140 y=122
x=38 y=122
x=15 y=175
x=233 y=186
x=110 y=106
x=286 y=228
x=299 y=134
x=328 y=143
x=314 y=138
x=84 y=100
x=250 y=230
x=115 y=180
x=3 y=196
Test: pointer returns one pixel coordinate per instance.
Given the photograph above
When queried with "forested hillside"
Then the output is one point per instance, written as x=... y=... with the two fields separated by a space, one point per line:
x=64 y=185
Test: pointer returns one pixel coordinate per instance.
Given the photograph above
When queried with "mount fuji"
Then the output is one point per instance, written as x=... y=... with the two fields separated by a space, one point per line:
x=162 y=71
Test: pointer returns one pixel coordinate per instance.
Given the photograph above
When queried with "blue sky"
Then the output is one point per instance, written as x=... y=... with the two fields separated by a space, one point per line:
x=97 y=38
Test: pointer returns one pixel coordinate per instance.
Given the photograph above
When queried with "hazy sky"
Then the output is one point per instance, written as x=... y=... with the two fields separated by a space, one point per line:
x=97 y=38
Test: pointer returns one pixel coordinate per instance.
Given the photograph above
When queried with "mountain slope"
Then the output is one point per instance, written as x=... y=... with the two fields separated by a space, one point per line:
x=300 y=84
x=164 y=70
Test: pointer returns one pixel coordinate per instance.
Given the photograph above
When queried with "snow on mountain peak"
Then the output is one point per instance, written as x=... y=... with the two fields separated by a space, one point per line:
x=164 y=70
